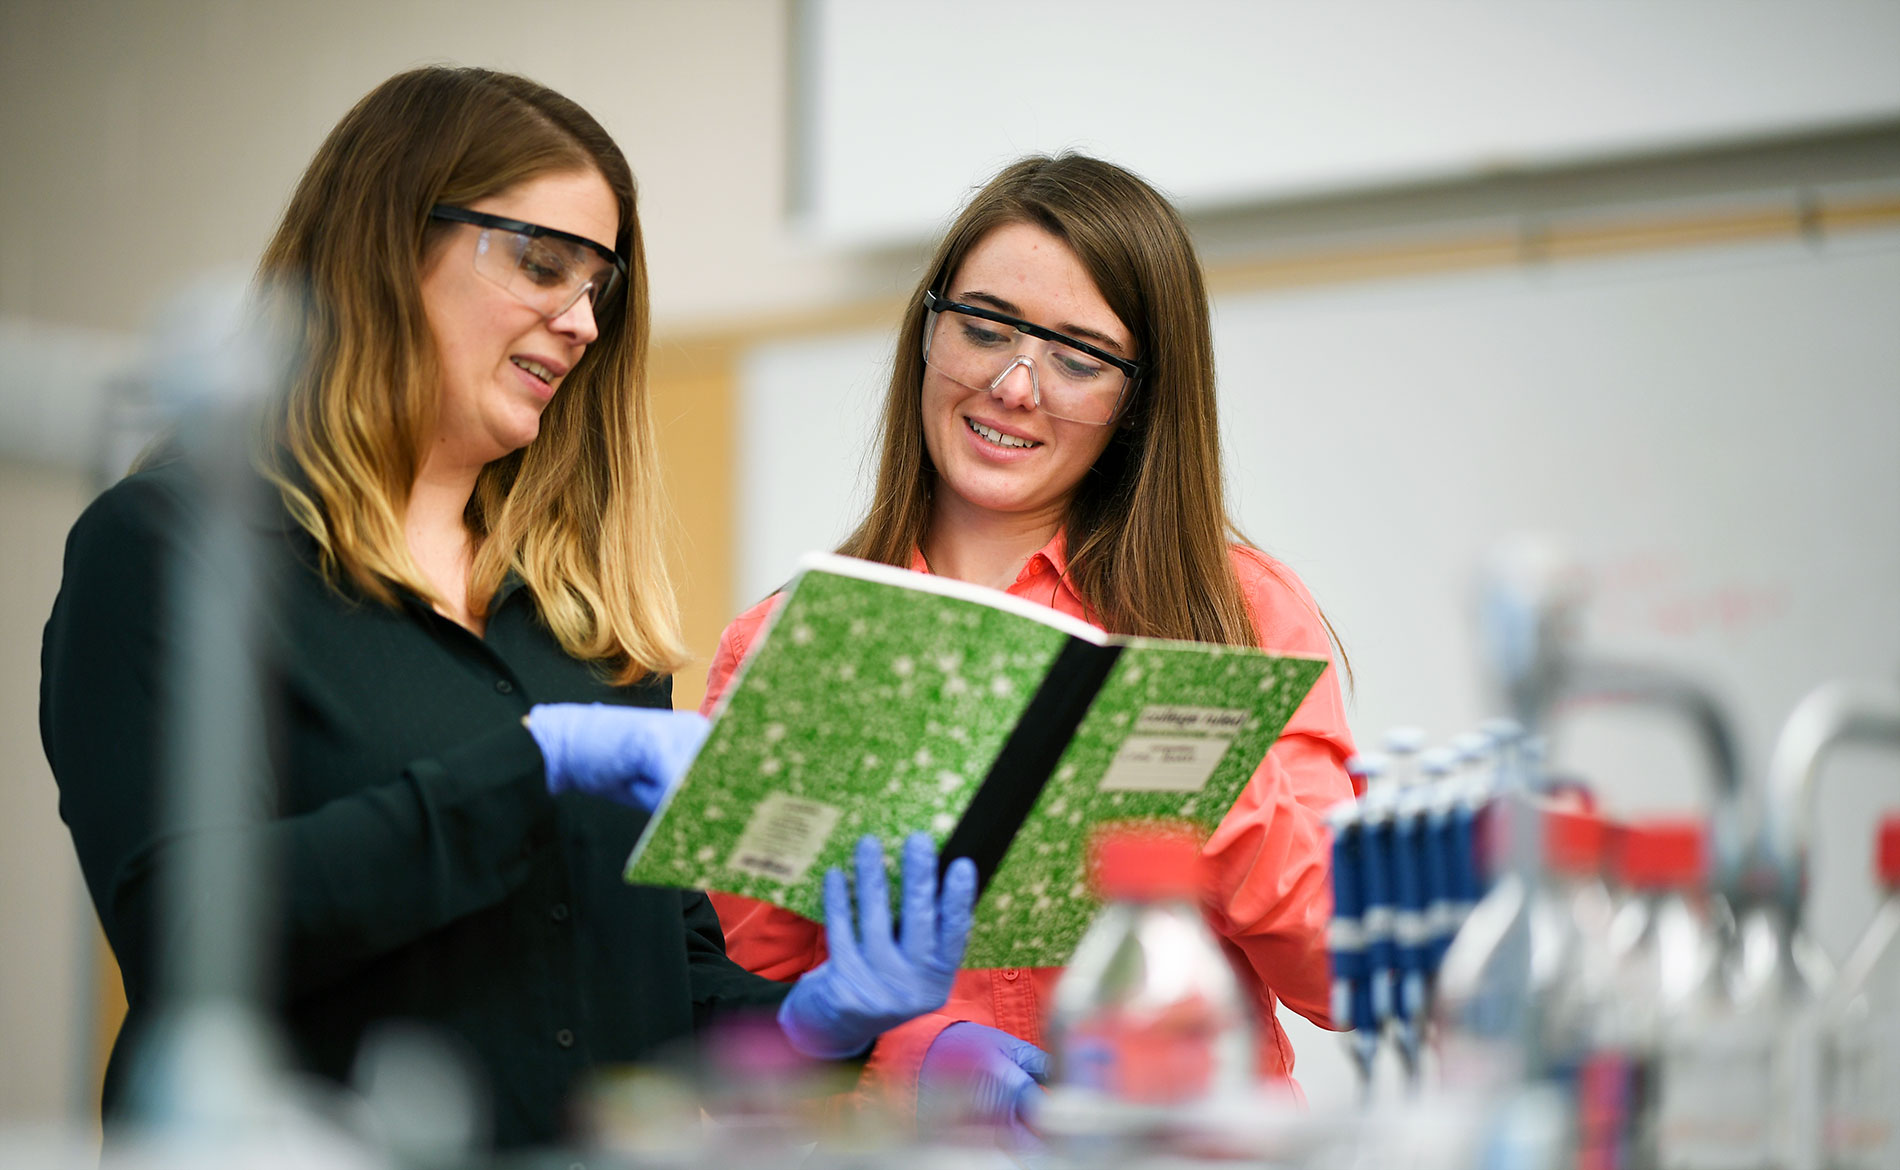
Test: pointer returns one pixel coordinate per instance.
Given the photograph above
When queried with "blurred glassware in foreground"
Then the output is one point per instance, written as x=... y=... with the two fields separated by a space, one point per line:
x=1860 y=1039
x=1148 y=1023
x=1522 y=982
x=1662 y=949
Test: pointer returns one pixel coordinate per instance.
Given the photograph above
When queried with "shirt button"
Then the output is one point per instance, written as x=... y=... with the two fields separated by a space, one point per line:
x=1010 y=973
x=558 y=912
x=504 y=686
x=564 y=1038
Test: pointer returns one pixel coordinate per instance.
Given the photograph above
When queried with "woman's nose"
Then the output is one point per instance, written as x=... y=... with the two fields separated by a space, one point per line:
x=1016 y=386
x=576 y=322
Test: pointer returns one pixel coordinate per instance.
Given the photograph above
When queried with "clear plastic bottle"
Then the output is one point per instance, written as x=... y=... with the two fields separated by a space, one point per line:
x=1522 y=981
x=1739 y=1087
x=1861 y=1034
x=1149 y=1014
x=1661 y=949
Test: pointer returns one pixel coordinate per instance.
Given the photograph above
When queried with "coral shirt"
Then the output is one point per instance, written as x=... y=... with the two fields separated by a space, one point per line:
x=1269 y=856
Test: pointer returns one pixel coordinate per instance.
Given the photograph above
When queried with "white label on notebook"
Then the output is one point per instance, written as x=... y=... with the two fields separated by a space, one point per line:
x=1173 y=749
x=1223 y=723
x=783 y=837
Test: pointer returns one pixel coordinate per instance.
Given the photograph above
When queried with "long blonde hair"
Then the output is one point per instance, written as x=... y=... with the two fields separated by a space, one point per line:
x=578 y=513
x=1148 y=529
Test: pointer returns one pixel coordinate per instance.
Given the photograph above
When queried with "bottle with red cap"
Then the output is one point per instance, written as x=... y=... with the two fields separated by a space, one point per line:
x=1149 y=1014
x=1739 y=1080
x=1861 y=1034
x=1520 y=985
x=1662 y=950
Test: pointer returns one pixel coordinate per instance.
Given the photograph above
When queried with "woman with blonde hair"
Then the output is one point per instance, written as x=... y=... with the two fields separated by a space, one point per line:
x=1050 y=430
x=469 y=639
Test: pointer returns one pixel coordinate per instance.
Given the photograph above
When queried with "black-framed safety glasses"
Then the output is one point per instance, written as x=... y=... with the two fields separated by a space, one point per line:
x=1071 y=379
x=545 y=268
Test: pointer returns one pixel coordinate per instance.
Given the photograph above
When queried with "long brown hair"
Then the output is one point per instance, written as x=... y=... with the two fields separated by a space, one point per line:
x=577 y=513
x=1148 y=530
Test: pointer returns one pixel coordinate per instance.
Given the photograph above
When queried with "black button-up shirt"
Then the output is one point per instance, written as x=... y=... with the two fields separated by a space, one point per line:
x=424 y=872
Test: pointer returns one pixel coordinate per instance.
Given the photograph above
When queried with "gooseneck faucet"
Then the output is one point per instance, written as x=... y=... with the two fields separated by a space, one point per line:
x=1832 y=715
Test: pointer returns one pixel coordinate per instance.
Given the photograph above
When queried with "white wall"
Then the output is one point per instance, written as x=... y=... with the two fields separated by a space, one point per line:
x=1218 y=102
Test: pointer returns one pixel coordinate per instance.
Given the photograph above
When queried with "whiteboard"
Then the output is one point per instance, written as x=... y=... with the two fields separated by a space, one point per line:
x=1715 y=432
x=899 y=105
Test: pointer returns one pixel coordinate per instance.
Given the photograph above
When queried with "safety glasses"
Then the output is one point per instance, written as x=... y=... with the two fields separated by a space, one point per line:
x=544 y=268
x=1071 y=379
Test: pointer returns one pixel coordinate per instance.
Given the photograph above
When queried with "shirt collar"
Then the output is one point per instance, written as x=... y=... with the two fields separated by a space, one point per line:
x=1055 y=555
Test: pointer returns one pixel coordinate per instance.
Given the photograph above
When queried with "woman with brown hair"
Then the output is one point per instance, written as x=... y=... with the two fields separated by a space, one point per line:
x=1050 y=430
x=470 y=636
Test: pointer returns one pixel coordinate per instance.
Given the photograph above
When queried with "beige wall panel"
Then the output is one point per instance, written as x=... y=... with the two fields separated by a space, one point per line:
x=692 y=402
x=146 y=141
x=43 y=915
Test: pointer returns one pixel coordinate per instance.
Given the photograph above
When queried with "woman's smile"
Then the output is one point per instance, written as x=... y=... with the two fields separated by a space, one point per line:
x=540 y=375
x=998 y=437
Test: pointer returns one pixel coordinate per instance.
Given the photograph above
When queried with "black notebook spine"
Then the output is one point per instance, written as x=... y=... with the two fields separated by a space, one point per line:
x=1029 y=757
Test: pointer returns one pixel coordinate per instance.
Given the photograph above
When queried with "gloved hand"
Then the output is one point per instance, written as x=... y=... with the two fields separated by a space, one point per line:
x=871 y=984
x=976 y=1073
x=631 y=755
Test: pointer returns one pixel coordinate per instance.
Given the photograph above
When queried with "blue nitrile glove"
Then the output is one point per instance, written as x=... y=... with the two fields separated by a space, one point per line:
x=631 y=755
x=987 y=1075
x=865 y=987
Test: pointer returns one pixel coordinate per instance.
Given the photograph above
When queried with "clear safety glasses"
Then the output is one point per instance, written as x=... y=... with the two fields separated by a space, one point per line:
x=1073 y=380
x=543 y=268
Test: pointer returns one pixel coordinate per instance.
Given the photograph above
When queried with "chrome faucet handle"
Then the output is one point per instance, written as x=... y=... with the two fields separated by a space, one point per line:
x=1835 y=713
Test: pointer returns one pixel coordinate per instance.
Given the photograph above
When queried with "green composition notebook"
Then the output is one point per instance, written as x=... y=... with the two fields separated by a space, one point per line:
x=884 y=701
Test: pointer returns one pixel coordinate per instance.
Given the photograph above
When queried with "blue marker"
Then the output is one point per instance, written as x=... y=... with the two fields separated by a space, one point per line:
x=1468 y=876
x=1375 y=868
x=1439 y=768
x=1505 y=774
x=1409 y=926
x=1411 y=935
x=1346 y=939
